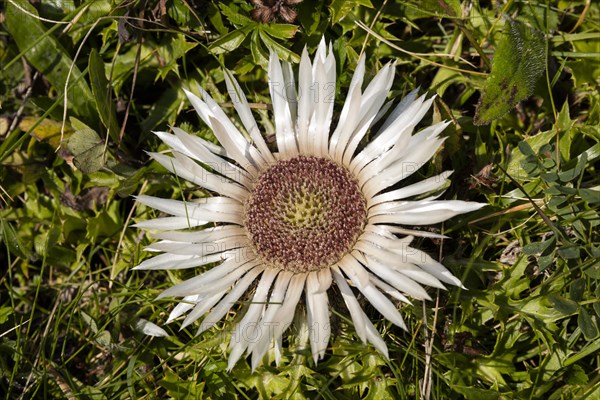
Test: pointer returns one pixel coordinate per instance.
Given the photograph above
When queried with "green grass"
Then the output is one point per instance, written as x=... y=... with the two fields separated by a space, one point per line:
x=526 y=328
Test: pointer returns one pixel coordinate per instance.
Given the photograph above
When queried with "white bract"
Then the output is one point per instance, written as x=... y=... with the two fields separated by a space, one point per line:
x=319 y=208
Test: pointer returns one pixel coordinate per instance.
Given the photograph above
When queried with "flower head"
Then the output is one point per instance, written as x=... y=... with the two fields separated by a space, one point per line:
x=318 y=210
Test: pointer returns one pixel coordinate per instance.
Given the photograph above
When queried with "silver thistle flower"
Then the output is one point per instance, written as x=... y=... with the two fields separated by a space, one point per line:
x=319 y=211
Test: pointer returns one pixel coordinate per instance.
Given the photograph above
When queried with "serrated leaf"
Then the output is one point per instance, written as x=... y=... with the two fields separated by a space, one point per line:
x=229 y=41
x=87 y=149
x=518 y=63
x=234 y=16
x=577 y=376
x=258 y=54
x=283 y=52
x=564 y=120
x=216 y=18
x=280 y=31
x=586 y=70
x=171 y=50
x=103 y=95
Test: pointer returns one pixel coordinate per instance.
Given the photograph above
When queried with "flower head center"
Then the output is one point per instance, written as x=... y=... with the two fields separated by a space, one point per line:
x=304 y=214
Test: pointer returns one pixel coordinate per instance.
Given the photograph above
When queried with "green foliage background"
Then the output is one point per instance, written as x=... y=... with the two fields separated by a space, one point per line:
x=526 y=72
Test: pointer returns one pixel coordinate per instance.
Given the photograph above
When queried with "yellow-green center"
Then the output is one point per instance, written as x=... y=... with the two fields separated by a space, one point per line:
x=304 y=214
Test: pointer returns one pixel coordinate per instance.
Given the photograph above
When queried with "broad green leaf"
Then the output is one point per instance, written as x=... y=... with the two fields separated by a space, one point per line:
x=232 y=13
x=340 y=8
x=577 y=376
x=518 y=63
x=309 y=15
x=12 y=242
x=102 y=225
x=229 y=41
x=91 y=11
x=5 y=313
x=565 y=125
x=259 y=56
x=216 y=18
x=586 y=71
x=103 y=95
x=538 y=247
x=444 y=78
x=46 y=241
x=587 y=325
x=577 y=289
x=182 y=14
x=87 y=149
x=590 y=195
x=570 y=252
x=526 y=149
x=574 y=173
x=441 y=8
x=545 y=261
x=48 y=56
x=563 y=304
x=281 y=31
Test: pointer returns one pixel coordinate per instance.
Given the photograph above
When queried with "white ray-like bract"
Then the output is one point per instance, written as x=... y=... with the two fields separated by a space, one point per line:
x=317 y=208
